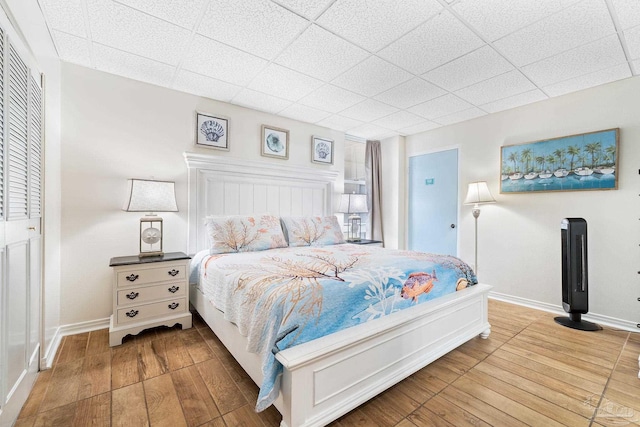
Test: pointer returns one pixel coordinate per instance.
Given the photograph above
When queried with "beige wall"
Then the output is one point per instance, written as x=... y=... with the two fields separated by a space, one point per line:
x=114 y=128
x=519 y=237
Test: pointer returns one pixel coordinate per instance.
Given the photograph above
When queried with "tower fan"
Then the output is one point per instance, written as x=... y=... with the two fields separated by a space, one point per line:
x=575 y=286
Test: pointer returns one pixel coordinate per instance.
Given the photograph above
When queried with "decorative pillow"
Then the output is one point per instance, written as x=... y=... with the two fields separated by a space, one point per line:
x=312 y=230
x=244 y=233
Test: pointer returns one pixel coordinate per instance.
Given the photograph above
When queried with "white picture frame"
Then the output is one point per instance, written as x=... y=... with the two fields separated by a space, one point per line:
x=321 y=150
x=274 y=142
x=212 y=131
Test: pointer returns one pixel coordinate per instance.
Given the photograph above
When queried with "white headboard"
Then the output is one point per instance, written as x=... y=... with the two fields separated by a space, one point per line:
x=229 y=186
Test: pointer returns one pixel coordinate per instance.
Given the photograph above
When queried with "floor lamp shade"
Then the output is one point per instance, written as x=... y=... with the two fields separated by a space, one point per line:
x=478 y=193
x=353 y=204
x=150 y=196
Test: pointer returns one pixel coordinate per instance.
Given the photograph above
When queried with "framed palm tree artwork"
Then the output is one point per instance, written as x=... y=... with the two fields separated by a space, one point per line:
x=587 y=161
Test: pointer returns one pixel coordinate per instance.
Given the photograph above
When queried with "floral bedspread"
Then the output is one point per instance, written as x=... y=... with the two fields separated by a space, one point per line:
x=283 y=297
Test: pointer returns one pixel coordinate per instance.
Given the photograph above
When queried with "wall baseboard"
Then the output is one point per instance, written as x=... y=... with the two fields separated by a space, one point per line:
x=611 y=322
x=46 y=362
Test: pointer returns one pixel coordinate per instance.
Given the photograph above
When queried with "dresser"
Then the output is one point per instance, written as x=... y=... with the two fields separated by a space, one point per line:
x=149 y=292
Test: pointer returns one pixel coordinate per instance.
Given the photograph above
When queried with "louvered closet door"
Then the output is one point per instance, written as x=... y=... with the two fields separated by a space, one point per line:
x=21 y=209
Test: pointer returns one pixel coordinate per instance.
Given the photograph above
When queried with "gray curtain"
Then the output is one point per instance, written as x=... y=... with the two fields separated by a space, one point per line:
x=373 y=172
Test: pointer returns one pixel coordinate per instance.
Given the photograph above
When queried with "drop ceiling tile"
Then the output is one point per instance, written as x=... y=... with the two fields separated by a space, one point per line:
x=180 y=12
x=331 y=98
x=132 y=66
x=399 y=120
x=284 y=83
x=632 y=37
x=422 y=127
x=435 y=42
x=374 y=24
x=600 y=77
x=368 y=110
x=442 y=106
x=260 y=27
x=371 y=77
x=636 y=66
x=628 y=12
x=338 y=122
x=370 y=131
x=321 y=54
x=604 y=53
x=187 y=81
x=410 y=93
x=226 y=64
x=260 y=101
x=130 y=30
x=72 y=49
x=306 y=8
x=497 y=18
x=502 y=86
x=581 y=23
x=461 y=116
x=304 y=113
x=65 y=15
x=474 y=67
x=514 y=101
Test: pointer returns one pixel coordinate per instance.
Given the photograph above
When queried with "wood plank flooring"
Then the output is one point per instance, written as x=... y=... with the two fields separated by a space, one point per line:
x=530 y=371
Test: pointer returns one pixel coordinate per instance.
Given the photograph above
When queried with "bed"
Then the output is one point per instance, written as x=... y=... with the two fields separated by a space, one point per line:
x=325 y=377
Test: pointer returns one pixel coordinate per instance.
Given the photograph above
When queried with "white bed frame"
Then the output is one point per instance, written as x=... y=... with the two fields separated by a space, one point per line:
x=325 y=378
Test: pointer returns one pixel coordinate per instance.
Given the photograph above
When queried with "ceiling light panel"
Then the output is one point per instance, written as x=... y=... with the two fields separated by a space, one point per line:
x=72 y=49
x=130 y=30
x=514 y=101
x=374 y=24
x=502 y=86
x=371 y=77
x=284 y=83
x=497 y=18
x=306 y=8
x=435 y=42
x=410 y=93
x=132 y=66
x=581 y=23
x=586 y=59
x=331 y=98
x=260 y=27
x=632 y=37
x=304 y=113
x=321 y=54
x=338 y=122
x=461 y=116
x=189 y=82
x=445 y=105
x=474 y=67
x=213 y=59
x=65 y=15
x=368 y=110
x=628 y=12
x=399 y=120
x=260 y=101
x=180 y=12
x=600 y=77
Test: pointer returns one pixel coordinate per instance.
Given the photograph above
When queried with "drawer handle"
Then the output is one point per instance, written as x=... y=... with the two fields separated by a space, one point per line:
x=133 y=295
x=132 y=313
x=174 y=289
x=173 y=272
x=173 y=305
x=132 y=277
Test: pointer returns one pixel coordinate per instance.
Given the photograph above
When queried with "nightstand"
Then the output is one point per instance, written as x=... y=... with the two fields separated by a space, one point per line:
x=149 y=292
x=368 y=242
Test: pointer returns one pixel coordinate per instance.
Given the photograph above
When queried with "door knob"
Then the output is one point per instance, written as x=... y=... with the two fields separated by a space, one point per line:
x=453 y=226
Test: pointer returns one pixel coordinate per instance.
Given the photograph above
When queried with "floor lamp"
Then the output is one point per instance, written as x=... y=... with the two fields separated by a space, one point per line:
x=477 y=194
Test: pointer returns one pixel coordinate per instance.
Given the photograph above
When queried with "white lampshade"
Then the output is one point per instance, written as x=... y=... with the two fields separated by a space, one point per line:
x=150 y=196
x=478 y=193
x=353 y=203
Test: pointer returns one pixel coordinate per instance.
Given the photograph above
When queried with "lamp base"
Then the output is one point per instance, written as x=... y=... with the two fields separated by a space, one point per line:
x=150 y=254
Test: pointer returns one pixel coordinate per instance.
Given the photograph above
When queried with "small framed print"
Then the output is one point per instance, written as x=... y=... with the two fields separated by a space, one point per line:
x=212 y=132
x=275 y=142
x=322 y=150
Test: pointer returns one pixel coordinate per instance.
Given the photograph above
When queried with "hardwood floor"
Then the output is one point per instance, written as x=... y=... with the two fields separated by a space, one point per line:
x=530 y=371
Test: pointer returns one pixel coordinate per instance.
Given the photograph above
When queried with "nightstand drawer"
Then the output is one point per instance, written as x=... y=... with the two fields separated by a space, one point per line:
x=164 y=308
x=151 y=293
x=141 y=276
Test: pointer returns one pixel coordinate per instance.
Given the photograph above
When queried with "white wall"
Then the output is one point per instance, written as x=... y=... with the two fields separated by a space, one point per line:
x=114 y=128
x=393 y=188
x=519 y=237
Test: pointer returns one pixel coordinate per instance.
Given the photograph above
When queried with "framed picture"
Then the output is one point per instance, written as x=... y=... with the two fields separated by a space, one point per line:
x=587 y=161
x=275 y=142
x=321 y=150
x=212 y=132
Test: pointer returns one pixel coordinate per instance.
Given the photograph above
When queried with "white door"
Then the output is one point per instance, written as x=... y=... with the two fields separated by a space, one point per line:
x=433 y=202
